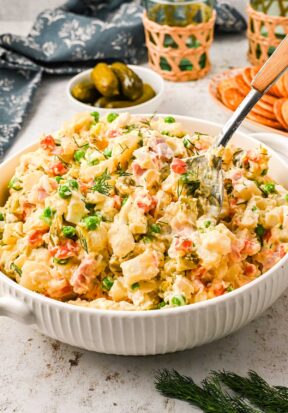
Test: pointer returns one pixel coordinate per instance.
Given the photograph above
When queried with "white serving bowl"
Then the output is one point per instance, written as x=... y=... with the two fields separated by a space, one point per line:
x=147 y=75
x=155 y=331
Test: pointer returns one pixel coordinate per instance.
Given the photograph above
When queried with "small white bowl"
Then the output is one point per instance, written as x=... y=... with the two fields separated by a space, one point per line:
x=147 y=75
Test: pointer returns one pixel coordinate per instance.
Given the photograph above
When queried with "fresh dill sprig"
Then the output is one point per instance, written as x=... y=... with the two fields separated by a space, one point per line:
x=101 y=184
x=269 y=398
x=121 y=172
x=210 y=397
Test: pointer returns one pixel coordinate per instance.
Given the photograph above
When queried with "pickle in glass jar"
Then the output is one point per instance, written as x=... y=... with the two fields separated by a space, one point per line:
x=85 y=92
x=131 y=84
x=105 y=80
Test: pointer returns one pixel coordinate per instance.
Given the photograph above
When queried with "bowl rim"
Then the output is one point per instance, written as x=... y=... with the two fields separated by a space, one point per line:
x=149 y=313
x=137 y=69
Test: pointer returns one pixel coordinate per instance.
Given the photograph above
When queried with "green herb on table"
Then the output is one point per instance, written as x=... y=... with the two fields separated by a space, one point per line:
x=256 y=390
x=224 y=392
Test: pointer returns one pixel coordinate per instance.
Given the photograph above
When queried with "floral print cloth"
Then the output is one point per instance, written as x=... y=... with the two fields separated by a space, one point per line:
x=63 y=41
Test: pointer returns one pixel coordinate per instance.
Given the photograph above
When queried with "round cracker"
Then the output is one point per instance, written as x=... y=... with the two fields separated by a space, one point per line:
x=268 y=99
x=281 y=87
x=264 y=121
x=224 y=85
x=258 y=110
x=232 y=98
x=242 y=84
x=284 y=111
x=278 y=112
x=247 y=76
x=274 y=91
x=285 y=81
x=266 y=106
x=255 y=70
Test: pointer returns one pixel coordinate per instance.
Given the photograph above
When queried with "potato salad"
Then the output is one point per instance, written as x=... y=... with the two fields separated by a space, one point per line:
x=106 y=214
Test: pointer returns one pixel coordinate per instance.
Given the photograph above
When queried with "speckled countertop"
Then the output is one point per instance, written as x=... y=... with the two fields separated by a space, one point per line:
x=40 y=374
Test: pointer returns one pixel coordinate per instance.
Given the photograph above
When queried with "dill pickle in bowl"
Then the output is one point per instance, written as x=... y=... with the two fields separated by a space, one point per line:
x=105 y=80
x=116 y=86
x=85 y=91
x=131 y=84
x=113 y=103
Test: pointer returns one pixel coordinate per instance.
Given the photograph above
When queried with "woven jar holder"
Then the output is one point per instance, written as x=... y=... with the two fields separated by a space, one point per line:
x=180 y=62
x=261 y=47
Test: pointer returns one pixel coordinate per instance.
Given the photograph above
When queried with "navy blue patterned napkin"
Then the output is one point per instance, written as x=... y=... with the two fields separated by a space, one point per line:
x=63 y=41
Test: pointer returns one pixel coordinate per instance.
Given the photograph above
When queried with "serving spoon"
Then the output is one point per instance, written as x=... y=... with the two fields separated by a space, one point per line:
x=207 y=168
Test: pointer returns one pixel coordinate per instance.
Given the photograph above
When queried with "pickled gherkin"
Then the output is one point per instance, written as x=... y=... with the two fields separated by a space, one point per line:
x=110 y=103
x=131 y=84
x=112 y=86
x=85 y=92
x=105 y=80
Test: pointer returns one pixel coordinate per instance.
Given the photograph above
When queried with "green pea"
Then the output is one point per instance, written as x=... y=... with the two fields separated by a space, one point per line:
x=286 y=197
x=268 y=188
x=69 y=231
x=58 y=179
x=95 y=116
x=207 y=224
x=178 y=300
x=61 y=261
x=112 y=116
x=155 y=228
x=92 y=222
x=162 y=304
x=107 y=283
x=79 y=154
x=169 y=119
x=15 y=184
x=64 y=191
x=47 y=215
x=1 y=217
x=135 y=286
x=73 y=184
x=107 y=153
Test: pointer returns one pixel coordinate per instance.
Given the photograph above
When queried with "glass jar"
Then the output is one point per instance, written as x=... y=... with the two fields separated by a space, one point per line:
x=179 y=13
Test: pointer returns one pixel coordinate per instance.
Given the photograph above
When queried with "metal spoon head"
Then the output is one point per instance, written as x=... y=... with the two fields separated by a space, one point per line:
x=207 y=170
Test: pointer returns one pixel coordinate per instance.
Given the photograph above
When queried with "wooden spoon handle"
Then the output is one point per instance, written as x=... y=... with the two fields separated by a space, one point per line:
x=272 y=69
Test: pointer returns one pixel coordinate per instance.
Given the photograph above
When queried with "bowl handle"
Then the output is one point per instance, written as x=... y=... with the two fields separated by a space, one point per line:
x=16 y=309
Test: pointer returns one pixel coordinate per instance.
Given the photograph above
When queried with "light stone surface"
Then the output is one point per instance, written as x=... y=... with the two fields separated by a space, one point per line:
x=41 y=375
